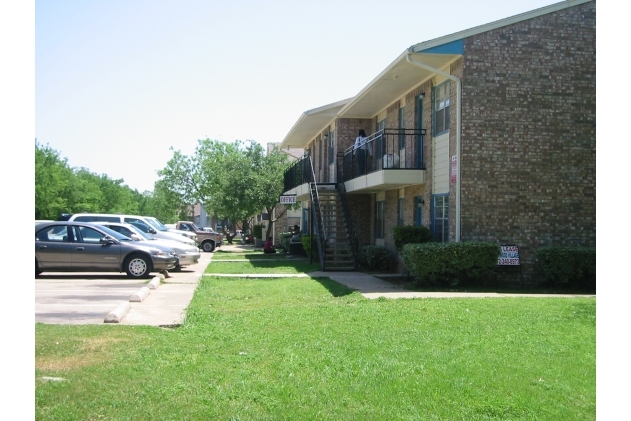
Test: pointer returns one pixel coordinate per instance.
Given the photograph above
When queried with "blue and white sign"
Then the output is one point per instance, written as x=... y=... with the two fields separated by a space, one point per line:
x=509 y=256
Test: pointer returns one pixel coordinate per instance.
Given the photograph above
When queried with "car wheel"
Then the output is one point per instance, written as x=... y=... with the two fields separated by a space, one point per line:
x=208 y=246
x=138 y=266
x=37 y=270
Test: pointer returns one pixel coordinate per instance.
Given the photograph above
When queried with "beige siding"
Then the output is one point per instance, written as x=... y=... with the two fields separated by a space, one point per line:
x=440 y=175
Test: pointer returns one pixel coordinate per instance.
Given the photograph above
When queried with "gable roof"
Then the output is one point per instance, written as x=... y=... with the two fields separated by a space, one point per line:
x=310 y=123
x=401 y=76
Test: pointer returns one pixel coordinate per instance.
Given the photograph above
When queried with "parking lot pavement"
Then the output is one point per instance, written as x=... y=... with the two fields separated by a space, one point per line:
x=87 y=298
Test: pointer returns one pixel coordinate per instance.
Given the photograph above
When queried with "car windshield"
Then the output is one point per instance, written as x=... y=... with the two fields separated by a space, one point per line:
x=144 y=235
x=195 y=227
x=156 y=225
x=114 y=234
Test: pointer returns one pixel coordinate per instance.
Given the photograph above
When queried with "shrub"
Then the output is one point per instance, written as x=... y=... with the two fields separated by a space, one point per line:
x=374 y=258
x=257 y=231
x=306 y=244
x=466 y=263
x=573 y=266
x=410 y=234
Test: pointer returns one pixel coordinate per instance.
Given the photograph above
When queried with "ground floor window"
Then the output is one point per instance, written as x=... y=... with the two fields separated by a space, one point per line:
x=440 y=218
x=400 y=209
x=379 y=220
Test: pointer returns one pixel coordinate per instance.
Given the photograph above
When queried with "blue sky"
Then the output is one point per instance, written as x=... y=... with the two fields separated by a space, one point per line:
x=119 y=82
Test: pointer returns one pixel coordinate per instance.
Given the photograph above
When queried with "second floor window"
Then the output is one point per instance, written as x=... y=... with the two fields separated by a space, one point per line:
x=442 y=105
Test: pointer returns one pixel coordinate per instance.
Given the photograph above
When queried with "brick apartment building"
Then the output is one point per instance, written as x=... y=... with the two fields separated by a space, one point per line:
x=488 y=134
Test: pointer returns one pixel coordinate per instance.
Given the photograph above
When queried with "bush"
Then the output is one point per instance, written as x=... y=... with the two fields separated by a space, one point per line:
x=572 y=266
x=445 y=264
x=376 y=258
x=257 y=231
x=410 y=234
x=306 y=245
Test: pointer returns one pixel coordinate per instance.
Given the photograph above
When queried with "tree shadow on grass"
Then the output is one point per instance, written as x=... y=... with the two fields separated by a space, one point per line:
x=336 y=289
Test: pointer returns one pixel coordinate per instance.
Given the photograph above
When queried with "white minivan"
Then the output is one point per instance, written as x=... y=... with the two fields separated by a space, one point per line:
x=139 y=221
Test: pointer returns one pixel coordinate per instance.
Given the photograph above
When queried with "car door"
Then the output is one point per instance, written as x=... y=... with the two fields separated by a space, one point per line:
x=90 y=254
x=53 y=248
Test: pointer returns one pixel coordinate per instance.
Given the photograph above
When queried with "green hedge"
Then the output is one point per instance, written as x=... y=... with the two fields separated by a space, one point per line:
x=410 y=234
x=467 y=263
x=572 y=266
x=376 y=258
x=306 y=244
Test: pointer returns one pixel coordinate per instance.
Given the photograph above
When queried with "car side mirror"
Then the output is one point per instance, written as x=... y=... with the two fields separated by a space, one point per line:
x=106 y=241
x=152 y=231
x=136 y=237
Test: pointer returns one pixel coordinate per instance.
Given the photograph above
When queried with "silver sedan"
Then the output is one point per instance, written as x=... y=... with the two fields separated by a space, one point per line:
x=66 y=246
x=187 y=255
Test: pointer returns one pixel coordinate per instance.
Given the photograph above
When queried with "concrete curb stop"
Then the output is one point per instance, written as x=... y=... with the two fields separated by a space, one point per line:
x=154 y=283
x=140 y=295
x=118 y=313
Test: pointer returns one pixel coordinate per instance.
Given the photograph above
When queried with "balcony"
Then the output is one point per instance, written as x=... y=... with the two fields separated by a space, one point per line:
x=395 y=160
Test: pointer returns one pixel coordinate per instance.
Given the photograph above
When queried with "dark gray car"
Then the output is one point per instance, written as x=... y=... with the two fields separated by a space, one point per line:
x=66 y=246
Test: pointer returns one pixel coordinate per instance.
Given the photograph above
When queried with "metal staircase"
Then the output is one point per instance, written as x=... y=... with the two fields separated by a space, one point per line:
x=335 y=236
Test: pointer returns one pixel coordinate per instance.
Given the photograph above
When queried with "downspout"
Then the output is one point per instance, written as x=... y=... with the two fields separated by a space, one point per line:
x=458 y=126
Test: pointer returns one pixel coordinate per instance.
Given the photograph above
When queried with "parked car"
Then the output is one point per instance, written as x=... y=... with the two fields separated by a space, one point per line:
x=206 y=240
x=157 y=232
x=160 y=226
x=66 y=246
x=187 y=255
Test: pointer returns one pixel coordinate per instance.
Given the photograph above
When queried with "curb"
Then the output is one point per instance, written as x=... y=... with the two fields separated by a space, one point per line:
x=140 y=295
x=118 y=313
x=154 y=283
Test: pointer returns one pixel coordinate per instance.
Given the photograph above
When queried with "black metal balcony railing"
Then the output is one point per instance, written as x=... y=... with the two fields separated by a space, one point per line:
x=299 y=173
x=387 y=149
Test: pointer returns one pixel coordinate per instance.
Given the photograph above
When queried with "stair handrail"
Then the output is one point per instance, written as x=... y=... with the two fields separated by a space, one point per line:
x=354 y=240
x=318 y=217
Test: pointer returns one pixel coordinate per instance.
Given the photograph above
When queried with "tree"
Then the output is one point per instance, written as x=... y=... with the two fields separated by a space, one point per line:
x=61 y=189
x=52 y=183
x=275 y=163
x=233 y=180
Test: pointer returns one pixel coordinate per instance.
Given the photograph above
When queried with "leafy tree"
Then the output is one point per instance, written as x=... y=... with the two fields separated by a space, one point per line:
x=233 y=180
x=52 y=183
x=61 y=189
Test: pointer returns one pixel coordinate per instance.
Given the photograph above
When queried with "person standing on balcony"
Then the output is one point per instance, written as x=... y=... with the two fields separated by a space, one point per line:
x=361 y=151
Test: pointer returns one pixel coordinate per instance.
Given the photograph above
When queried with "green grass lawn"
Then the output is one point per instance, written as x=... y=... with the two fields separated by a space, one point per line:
x=286 y=266
x=311 y=349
